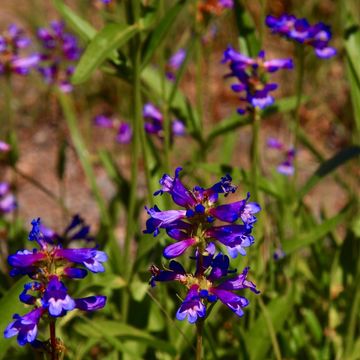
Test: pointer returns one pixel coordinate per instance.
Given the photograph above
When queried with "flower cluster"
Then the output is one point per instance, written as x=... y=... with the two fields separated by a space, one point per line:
x=299 y=30
x=123 y=129
x=194 y=227
x=287 y=166
x=211 y=285
x=174 y=63
x=48 y=266
x=60 y=50
x=154 y=122
x=7 y=199
x=12 y=41
x=251 y=74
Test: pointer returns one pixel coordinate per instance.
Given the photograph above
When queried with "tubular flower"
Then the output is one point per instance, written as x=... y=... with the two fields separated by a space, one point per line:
x=154 y=122
x=60 y=51
x=174 y=63
x=12 y=42
x=210 y=283
x=123 y=129
x=286 y=167
x=7 y=199
x=317 y=36
x=194 y=225
x=251 y=75
x=49 y=265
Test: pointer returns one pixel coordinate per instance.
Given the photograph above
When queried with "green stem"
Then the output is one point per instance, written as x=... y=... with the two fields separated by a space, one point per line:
x=299 y=90
x=271 y=330
x=199 y=338
x=350 y=336
x=165 y=108
x=53 y=343
x=138 y=136
x=255 y=158
x=199 y=84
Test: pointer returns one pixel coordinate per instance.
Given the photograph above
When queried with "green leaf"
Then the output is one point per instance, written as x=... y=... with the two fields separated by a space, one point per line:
x=352 y=41
x=313 y=324
x=114 y=330
x=258 y=339
x=10 y=304
x=328 y=166
x=83 y=154
x=249 y=42
x=80 y=26
x=156 y=37
x=317 y=233
x=110 y=38
x=233 y=122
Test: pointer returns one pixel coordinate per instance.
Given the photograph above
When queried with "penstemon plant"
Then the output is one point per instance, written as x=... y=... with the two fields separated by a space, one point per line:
x=49 y=266
x=194 y=228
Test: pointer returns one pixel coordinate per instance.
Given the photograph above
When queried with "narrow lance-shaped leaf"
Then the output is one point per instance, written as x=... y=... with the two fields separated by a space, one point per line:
x=156 y=37
x=110 y=38
x=258 y=339
x=328 y=166
x=249 y=43
x=79 y=25
x=317 y=233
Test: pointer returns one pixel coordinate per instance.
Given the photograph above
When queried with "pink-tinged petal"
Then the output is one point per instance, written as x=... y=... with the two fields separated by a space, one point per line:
x=25 y=258
x=174 y=250
x=4 y=147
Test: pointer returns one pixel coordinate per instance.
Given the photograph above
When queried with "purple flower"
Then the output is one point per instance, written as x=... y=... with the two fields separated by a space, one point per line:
x=7 y=199
x=175 y=272
x=317 y=36
x=227 y=3
x=92 y=259
x=91 y=303
x=174 y=63
x=124 y=134
x=210 y=283
x=201 y=210
x=251 y=74
x=12 y=42
x=192 y=307
x=178 y=248
x=286 y=167
x=103 y=121
x=123 y=129
x=25 y=327
x=154 y=122
x=60 y=50
x=235 y=237
x=49 y=265
x=56 y=299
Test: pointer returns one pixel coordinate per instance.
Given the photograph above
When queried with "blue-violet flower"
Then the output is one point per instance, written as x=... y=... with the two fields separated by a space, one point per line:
x=251 y=75
x=48 y=266
x=317 y=36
